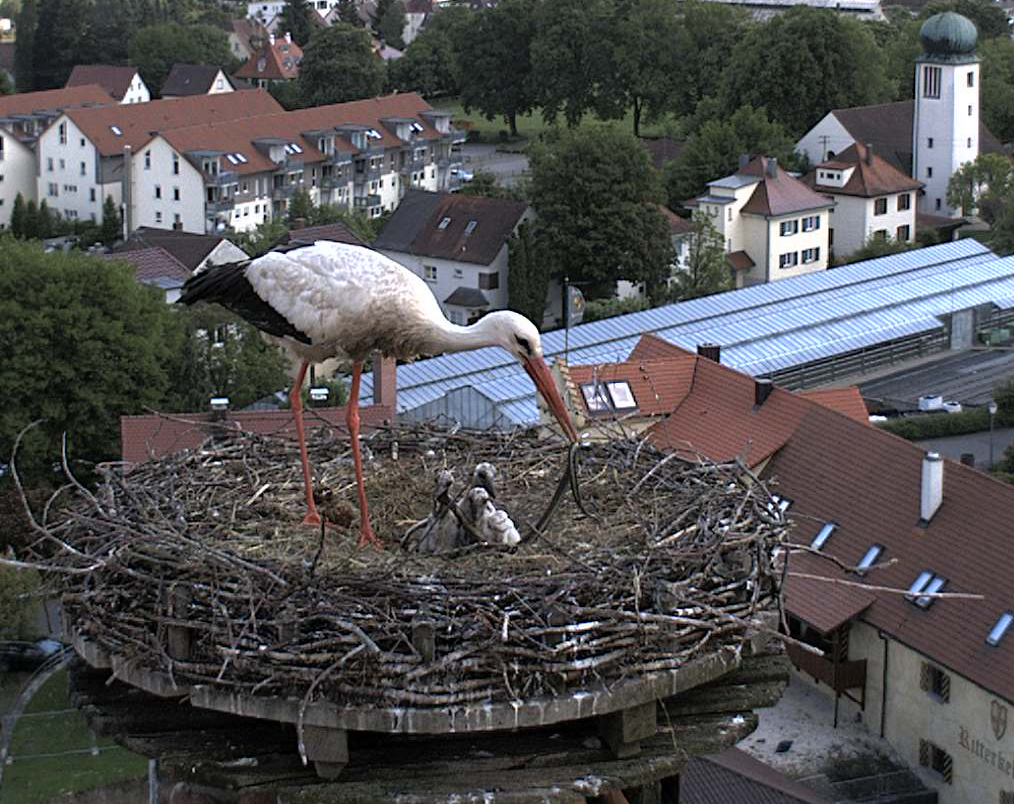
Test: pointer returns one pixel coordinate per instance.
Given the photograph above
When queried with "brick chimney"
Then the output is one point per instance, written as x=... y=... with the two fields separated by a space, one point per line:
x=869 y=153
x=385 y=381
x=761 y=391
x=712 y=351
x=932 y=492
x=771 y=168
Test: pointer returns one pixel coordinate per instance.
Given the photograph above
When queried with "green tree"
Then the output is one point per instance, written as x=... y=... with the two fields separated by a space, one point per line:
x=1001 y=235
x=45 y=222
x=24 y=46
x=568 y=56
x=6 y=87
x=989 y=17
x=262 y=238
x=83 y=345
x=58 y=41
x=715 y=148
x=155 y=48
x=705 y=270
x=18 y=603
x=878 y=247
x=484 y=184
x=18 y=212
x=112 y=223
x=300 y=206
x=429 y=65
x=348 y=13
x=596 y=194
x=998 y=86
x=597 y=309
x=391 y=25
x=982 y=186
x=527 y=276
x=497 y=37
x=295 y=19
x=287 y=94
x=30 y=224
x=222 y=355
x=338 y=65
x=839 y=58
x=708 y=33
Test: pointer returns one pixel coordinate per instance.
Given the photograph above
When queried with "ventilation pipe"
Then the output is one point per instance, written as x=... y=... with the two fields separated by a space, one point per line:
x=712 y=351
x=932 y=486
x=761 y=391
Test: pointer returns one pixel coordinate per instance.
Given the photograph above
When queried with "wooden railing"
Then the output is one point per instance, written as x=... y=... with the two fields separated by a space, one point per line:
x=840 y=677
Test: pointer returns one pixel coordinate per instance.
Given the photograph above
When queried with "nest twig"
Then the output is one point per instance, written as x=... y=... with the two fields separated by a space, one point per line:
x=676 y=563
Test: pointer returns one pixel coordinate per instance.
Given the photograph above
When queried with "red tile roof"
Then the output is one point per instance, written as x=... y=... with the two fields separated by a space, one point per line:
x=112 y=78
x=658 y=385
x=146 y=437
x=677 y=225
x=51 y=99
x=338 y=232
x=651 y=346
x=152 y=264
x=138 y=121
x=739 y=261
x=872 y=175
x=778 y=194
x=273 y=62
x=844 y=400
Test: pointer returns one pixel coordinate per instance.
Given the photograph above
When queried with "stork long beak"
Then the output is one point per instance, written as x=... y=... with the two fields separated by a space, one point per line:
x=544 y=384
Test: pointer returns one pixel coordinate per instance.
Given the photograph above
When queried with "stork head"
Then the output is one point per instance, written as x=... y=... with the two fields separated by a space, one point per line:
x=520 y=337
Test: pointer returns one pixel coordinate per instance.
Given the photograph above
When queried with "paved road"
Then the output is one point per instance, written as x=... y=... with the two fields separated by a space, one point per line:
x=976 y=443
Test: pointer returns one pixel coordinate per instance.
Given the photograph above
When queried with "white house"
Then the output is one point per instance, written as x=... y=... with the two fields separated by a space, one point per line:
x=458 y=245
x=81 y=155
x=773 y=225
x=123 y=83
x=928 y=137
x=872 y=199
x=195 y=79
x=22 y=118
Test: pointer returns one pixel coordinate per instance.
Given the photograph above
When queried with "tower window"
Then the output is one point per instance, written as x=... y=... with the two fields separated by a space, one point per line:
x=938 y=204
x=929 y=173
x=931 y=82
x=969 y=110
x=929 y=142
x=969 y=142
x=971 y=78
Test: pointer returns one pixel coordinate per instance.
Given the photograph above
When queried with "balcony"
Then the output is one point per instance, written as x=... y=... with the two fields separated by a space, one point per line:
x=282 y=191
x=219 y=205
x=366 y=201
x=413 y=165
x=369 y=174
x=222 y=178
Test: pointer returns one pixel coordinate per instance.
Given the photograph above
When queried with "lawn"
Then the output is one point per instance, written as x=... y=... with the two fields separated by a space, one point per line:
x=51 y=726
x=530 y=126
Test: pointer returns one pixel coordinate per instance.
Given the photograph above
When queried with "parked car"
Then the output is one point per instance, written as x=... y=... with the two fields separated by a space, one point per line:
x=20 y=655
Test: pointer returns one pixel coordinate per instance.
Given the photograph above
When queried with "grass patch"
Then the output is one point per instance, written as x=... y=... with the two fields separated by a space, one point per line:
x=531 y=126
x=51 y=730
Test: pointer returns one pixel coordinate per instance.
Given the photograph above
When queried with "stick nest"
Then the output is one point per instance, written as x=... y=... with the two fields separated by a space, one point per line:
x=675 y=562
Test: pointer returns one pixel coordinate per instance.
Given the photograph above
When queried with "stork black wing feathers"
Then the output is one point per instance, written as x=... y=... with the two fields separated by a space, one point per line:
x=227 y=285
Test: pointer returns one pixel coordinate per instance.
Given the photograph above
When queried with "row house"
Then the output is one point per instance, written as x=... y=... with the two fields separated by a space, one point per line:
x=773 y=225
x=22 y=118
x=83 y=154
x=363 y=155
x=873 y=200
x=123 y=83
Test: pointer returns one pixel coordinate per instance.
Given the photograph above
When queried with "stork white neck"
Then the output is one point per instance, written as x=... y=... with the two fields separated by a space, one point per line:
x=487 y=331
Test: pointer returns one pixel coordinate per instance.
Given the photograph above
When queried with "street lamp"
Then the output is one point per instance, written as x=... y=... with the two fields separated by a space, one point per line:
x=992 y=413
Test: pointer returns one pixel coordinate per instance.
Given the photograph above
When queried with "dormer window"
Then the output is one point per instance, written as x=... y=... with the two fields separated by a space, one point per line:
x=608 y=397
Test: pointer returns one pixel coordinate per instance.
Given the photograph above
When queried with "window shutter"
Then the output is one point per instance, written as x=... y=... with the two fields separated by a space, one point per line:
x=947 y=767
x=924 y=753
x=925 y=682
x=945 y=687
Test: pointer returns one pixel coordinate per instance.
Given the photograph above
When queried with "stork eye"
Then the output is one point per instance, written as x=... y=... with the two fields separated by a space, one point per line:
x=524 y=344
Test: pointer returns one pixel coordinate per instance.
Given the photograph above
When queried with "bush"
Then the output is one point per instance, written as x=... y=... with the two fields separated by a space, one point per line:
x=939 y=425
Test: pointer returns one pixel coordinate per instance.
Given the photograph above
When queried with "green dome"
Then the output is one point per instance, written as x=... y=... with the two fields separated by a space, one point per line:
x=948 y=34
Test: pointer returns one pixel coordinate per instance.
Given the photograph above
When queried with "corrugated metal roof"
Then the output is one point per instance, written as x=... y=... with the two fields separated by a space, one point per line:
x=761 y=329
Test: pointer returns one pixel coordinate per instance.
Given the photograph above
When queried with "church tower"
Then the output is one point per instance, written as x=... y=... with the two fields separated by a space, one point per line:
x=945 y=123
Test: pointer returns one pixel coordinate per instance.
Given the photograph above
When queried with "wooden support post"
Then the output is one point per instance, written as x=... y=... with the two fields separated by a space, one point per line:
x=328 y=749
x=623 y=731
x=179 y=639
x=649 y=793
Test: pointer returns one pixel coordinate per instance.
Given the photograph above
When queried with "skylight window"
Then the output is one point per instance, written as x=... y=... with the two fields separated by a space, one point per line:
x=470 y=227
x=296 y=147
x=232 y=159
x=871 y=556
x=998 y=630
x=240 y=158
x=417 y=128
x=116 y=130
x=928 y=583
x=823 y=535
x=373 y=134
x=444 y=223
x=607 y=397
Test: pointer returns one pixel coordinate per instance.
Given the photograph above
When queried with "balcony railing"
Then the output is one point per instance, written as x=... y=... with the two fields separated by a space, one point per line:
x=366 y=201
x=280 y=191
x=412 y=165
x=224 y=177
x=839 y=676
x=220 y=205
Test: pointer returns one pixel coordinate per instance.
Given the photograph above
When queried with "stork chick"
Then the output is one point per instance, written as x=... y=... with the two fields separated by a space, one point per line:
x=492 y=525
x=440 y=531
x=484 y=476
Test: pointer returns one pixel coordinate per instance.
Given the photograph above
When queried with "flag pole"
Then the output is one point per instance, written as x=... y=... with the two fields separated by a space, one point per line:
x=566 y=318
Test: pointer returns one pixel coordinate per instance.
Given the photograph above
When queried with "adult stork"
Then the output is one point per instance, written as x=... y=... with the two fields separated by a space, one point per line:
x=336 y=300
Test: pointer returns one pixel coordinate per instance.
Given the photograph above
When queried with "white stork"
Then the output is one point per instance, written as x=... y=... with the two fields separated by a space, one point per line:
x=336 y=300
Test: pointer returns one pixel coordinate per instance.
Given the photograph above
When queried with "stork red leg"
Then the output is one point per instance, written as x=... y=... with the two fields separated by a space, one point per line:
x=296 y=403
x=366 y=535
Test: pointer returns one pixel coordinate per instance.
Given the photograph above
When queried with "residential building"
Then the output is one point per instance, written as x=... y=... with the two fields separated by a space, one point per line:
x=276 y=60
x=7 y=62
x=245 y=37
x=872 y=199
x=193 y=251
x=416 y=14
x=679 y=230
x=360 y=155
x=123 y=83
x=766 y=9
x=82 y=155
x=773 y=225
x=22 y=118
x=928 y=137
x=458 y=245
x=337 y=232
x=195 y=79
x=156 y=268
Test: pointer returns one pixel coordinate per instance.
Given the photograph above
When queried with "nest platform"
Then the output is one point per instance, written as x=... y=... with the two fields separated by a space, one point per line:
x=640 y=579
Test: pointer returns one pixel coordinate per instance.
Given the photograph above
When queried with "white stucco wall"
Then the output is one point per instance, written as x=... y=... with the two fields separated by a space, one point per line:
x=854 y=221
x=137 y=92
x=17 y=175
x=68 y=172
x=798 y=242
x=952 y=122
x=983 y=765
x=147 y=174
x=828 y=136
